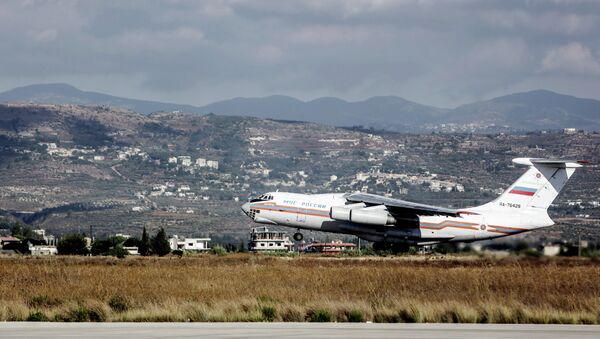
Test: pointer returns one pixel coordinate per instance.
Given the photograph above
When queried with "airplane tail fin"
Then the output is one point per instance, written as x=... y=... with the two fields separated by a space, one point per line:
x=537 y=188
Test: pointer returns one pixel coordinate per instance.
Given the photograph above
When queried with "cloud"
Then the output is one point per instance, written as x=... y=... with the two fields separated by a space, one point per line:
x=439 y=53
x=549 y=22
x=573 y=58
x=45 y=35
x=160 y=40
x=269 y=53
x=332 y=34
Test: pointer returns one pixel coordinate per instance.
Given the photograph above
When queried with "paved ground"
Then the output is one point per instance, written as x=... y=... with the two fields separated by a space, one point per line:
x=292 y=330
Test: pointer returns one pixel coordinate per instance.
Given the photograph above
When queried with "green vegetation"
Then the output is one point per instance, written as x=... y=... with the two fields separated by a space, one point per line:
x=144 y=246
x=318 y=316
x=160 y=243
x=269 y=313
x=72 y=244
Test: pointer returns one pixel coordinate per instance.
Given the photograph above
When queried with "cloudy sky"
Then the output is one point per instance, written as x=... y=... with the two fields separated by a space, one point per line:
x=432 y=52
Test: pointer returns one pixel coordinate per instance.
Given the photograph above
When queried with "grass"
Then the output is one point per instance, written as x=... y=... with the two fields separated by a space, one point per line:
x=248 y=287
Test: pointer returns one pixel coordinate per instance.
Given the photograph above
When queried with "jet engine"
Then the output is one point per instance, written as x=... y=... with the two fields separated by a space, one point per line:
x=343 y=212
x=358 y=213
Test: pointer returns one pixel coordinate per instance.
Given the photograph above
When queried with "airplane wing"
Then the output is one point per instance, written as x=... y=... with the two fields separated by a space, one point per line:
x=397 y=206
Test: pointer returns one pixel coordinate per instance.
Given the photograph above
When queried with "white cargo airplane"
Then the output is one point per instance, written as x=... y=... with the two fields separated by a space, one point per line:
x=522 y=207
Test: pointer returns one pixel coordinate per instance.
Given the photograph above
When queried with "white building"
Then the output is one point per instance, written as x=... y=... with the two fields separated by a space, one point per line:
x=185 y=160
x=48 y=238
x=132 y=250
x=201 y=162
x=43 y=250
x=551 y=250
x=261 y=239
x=189 y=244
x=172 y=160
x=184 y=188
x=212 y=164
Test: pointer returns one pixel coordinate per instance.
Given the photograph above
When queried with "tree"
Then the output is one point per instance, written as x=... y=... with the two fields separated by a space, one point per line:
x=101 y=247
x=22 y=232
x=160 y=243
x=144 y=247
x=118 y=251
x=72 y=244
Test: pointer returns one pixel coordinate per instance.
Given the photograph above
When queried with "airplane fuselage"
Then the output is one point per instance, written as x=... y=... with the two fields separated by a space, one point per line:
x=313 y=212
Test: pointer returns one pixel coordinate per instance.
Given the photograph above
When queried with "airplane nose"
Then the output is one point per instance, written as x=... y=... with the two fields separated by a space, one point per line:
x=246 y=208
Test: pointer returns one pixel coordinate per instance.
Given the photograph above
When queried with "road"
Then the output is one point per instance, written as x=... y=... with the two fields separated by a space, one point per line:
x=292 y=330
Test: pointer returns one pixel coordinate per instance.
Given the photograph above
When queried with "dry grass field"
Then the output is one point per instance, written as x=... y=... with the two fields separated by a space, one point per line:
x=246 y=287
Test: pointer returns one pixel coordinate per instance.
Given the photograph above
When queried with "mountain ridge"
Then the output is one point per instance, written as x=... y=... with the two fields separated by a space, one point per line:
x=531 y=110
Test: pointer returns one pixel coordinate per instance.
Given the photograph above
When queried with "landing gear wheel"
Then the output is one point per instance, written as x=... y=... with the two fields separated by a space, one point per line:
x=400 y=248
x=298 y=236
x=380 y=246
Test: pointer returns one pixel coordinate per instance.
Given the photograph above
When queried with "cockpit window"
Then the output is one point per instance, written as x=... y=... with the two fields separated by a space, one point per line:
x=264 y=197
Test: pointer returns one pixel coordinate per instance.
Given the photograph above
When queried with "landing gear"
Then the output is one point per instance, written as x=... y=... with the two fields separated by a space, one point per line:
x=298 y=236
x=394 y=248
x=380 y=246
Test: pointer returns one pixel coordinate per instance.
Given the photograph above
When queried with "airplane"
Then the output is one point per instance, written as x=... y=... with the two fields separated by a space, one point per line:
x=394 y=223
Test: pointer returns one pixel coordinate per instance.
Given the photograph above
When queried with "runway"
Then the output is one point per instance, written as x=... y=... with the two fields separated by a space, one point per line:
x=293 y=330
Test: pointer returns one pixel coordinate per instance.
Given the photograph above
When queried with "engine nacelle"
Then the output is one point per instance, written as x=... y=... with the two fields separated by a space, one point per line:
x=343 y=212
x=375 y=215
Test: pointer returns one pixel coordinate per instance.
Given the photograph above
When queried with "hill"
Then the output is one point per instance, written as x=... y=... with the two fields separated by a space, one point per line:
x=534 y=110
x=67 y=94
x=382 y=112
x=526 y=111
x=66 y=167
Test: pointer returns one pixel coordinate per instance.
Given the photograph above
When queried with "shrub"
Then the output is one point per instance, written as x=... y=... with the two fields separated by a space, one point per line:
x=355 y=316
x=97 y=313
x=410 y=315
x=118 y=303
x=532 y=252
x=292 y=315
x=77 y=315
x=386 y=317
x=218 y=250
x=72 y=244
x=118 y=251
x=269 y=313
x=43 y=301
x=37 y=316
x=318 y=316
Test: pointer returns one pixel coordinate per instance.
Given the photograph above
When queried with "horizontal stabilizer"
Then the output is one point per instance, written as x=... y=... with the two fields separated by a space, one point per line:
x=555 y=163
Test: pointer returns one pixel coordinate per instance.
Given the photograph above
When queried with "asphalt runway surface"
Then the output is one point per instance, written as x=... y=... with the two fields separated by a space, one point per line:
x=292 y=330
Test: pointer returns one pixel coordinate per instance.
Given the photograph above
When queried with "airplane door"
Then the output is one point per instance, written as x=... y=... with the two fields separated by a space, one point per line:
x=301 y=215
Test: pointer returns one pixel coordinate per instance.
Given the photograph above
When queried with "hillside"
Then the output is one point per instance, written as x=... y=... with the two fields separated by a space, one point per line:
x=69 y=167
x=67 y=94
x=385 y=112
x=535 y=110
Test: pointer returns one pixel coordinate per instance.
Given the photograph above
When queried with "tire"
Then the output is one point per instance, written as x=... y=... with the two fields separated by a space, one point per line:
x=380 y=246
x=298 y=236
